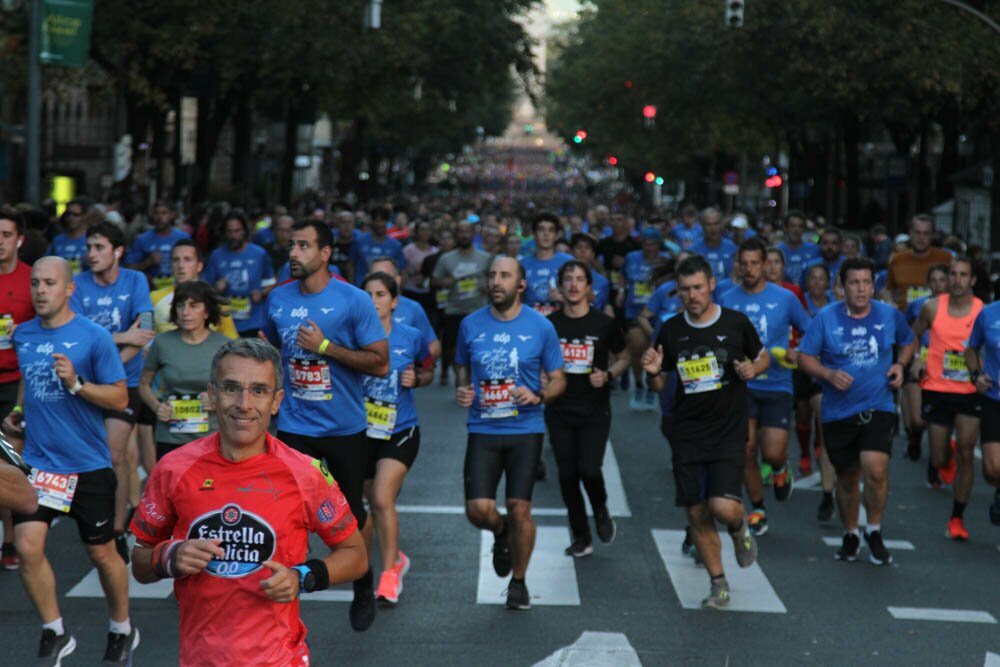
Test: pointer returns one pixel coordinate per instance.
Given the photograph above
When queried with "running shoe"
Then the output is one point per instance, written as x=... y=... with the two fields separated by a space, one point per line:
x=805 y=466
x=933 y=478
x=53 y=648
x=766 y=474
x=757 y=520
x=913 y=446
x=650 y=403
x=877 y=553
x=501 y=551
x=120 y=648
x=517 y=596
x=606 y=528
x=402 y=564
x=9 y=560
x=784 y=483
x=947 y=473
x=581 y=547
x=718 y=596
x=956 y=530
x=687 y=546
x=744 y=546
x=389 y=588
x=638 y=400
x=825 y=511
x=362 y=611
x=849 y=548
x=995 y=510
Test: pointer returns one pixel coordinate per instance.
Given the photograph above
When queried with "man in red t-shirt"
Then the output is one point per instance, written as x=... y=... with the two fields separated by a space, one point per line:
x=15 y=307
x=229 y=516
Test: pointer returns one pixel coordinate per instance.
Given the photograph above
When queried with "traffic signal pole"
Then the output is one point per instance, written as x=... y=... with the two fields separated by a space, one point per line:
x=32 y=174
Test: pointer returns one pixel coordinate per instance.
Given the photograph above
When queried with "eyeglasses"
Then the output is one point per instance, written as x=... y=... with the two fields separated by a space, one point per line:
x=235 y=390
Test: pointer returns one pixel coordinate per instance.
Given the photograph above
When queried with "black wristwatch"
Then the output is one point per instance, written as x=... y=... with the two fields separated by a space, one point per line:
x=974 y=376
x=307 y=580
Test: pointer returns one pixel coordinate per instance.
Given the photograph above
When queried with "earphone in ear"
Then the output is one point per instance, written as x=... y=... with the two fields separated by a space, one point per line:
x=19 y=243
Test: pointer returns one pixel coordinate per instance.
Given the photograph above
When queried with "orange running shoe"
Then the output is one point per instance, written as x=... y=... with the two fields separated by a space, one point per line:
x=389 y=588
x=947 y=473
x=956 y=530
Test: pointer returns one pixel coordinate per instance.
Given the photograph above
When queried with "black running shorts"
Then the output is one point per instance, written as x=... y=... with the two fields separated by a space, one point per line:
x=697 y=482
x=489 y=456
x=346 y=456
x=989 y=423
x=845 y=439
x=941 y=408
x=130 y=415
x=93 y=507
x=402 y=446
x=772 y=409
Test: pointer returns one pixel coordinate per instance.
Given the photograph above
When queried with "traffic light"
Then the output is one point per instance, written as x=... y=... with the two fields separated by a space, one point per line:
x=734 y=13
x=649 y=115
x=580 y=136
x=650 y=177
x=612 y=160
x=658 y=180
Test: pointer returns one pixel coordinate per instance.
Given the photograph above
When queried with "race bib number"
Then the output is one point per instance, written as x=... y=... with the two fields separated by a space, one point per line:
x=578 y=358
x=163 y=282
x=240 y=307
x=467 y=287
x=495 y=400
x=441 y=296
x=74 y=264
x=546 y=309
x=310 y=379
x=915 y=293
x=615 y=277
x=187 y=416
x=954 y=367
x=55 y=491
x=642 y=291
x=6 y=331
x=381 y=418
x=923 y=353
x=700 y=374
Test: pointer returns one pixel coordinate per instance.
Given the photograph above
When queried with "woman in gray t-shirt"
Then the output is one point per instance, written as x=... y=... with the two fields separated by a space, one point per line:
x=180 y=360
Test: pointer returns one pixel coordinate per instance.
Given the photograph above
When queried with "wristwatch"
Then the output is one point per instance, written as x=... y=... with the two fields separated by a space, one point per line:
x=75 y=389
x=974 y=376
x=307 y=580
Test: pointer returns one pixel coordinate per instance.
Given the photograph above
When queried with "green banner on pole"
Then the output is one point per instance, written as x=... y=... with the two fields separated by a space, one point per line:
x=65 y=33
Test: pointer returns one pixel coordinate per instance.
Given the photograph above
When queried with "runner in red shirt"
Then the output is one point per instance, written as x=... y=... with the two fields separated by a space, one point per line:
x=229 y=516
x=15 y=307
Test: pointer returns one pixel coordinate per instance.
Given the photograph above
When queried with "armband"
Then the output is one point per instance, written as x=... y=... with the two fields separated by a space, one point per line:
x=165 y=559
x=313 y=576
x=18 y=409
x=322 y=346
x=77 y=386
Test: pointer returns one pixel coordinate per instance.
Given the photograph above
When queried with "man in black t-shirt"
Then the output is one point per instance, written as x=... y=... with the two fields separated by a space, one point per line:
x=715 y=351
x=579 y=420
x=612 y=251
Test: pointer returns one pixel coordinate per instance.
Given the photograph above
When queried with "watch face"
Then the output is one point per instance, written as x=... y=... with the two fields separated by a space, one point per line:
x=309 y=582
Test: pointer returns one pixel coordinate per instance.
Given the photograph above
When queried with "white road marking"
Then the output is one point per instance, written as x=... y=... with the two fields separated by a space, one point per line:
x=90 y=587
x=551 y=577
x=595 y=649
x=948 y=615
x=809 y=483
x=978 y=453
x=751 y=590
x=992 y=660
x=460 y=509
x=899 y=545
x=330 y=595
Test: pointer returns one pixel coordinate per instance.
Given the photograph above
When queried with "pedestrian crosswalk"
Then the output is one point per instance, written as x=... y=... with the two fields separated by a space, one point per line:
x=594 y=649
x=935 y=614
x=551 y=576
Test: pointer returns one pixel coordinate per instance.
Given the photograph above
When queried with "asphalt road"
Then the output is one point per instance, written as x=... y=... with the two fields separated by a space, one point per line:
x=800 y=606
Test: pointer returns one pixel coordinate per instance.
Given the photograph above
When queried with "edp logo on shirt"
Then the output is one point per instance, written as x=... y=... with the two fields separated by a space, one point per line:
x=247 y=539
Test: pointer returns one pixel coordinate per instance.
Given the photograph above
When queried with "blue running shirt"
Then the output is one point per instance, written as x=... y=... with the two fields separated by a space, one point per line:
x=114 y=307
x=322 y=397
x=72 y=250
x=149 y=242
x=65 y=434
x=365 y=249
x=797 y=259
x=602 y=290
x=285 y=272
x=542 y=275
x=389 y=405
x=412 y=314
x=248 y=270
x=664 y=303
x=719 y=258
x=773 y=312
x=863 y=348
x=500 y=356
x=638 y=275
x=986 y=335
x=687 y=236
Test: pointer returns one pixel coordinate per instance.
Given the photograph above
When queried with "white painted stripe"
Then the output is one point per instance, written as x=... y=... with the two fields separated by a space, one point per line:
x=90 y=587
x=617 y=502
x=330 y=595
x=809 y=483
x=932 y=614
x=551 y=577
x=751 y=590
x=992 y=660
x=899 y=545
x=460 y=509
x=595 y=649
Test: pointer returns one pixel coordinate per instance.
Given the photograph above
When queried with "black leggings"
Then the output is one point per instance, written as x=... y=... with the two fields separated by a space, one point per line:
x=578 y=444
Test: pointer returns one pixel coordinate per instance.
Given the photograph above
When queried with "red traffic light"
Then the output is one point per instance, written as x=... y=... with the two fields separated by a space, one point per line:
x=582 y=134
x=650 y=177
x=774 y=181
x=612 y=160
x=649 y=111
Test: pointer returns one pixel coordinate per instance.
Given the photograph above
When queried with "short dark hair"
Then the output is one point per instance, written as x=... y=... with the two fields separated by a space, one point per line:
x=822 y=267
x=752 y=244
x=385 y=258
x=383 y=212
x=833 y=230
x=237 y=214
x=200 y=292
x=961 y=257
x=856 y=264
x=580 y=237
x=694 y=264
x=943 y=268
x=777 y=251
x=109 y=231
x=324 y=237
x=546 y=216
x=12 y=214
x=185 y=243
x=924 y=217
x=381 y=276
x=576 y=264
x=795 y=213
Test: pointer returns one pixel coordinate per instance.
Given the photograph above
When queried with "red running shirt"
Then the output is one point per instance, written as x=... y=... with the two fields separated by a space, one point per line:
x=262 y=508
x=15 y=307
